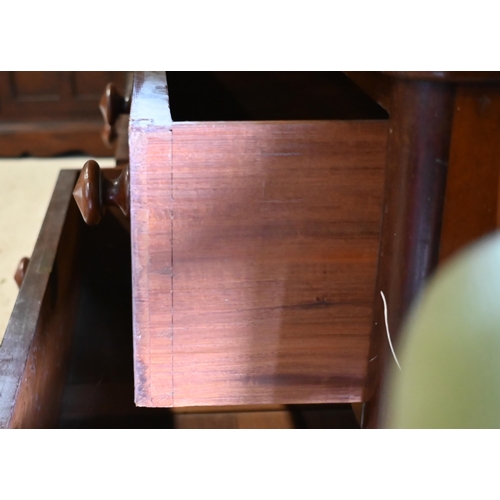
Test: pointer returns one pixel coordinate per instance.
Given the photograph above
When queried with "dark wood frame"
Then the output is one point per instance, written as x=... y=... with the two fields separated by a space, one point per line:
x=35 y=349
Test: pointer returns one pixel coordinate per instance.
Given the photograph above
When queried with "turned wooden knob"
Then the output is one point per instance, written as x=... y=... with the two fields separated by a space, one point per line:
x=21 y=271
x=94 y=192
x=112 y=105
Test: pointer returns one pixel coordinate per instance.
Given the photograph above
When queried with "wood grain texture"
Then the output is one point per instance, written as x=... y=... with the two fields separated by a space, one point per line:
x=35 y=350
x=274 y=254
x=254 y=255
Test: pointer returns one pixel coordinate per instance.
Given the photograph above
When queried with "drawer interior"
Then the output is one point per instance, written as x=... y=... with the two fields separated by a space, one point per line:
x=270 y=95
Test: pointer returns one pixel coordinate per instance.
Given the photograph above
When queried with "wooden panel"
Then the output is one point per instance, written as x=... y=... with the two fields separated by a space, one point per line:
x=254 y=248
x=36 y=85
x=35 y=351
x=275 y=238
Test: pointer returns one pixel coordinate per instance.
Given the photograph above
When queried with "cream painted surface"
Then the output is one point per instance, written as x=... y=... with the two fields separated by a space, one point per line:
x=26 y=186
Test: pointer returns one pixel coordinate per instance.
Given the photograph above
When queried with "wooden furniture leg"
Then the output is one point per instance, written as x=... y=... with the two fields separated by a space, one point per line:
x=417 y=160
x=425 y=116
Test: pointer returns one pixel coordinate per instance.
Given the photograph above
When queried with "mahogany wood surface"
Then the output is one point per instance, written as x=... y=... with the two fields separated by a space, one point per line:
x=254 y=255
x=35 y=350
x=273 y=260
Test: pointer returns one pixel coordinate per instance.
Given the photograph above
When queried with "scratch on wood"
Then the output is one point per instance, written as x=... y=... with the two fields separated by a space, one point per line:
x=387 y=329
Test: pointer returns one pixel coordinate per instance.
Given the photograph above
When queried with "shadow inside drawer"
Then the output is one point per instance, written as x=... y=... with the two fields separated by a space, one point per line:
x=268 y=95
x=100 y=388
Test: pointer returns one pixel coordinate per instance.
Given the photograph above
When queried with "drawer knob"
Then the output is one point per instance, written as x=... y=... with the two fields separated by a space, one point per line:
x=94 y=192
x=21 y=271
x=112 y=105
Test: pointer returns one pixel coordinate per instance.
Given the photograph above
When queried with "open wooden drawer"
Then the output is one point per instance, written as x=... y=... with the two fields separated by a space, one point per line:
x=254 y=248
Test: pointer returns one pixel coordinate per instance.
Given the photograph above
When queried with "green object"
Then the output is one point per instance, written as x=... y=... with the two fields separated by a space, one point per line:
x=449 y=348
